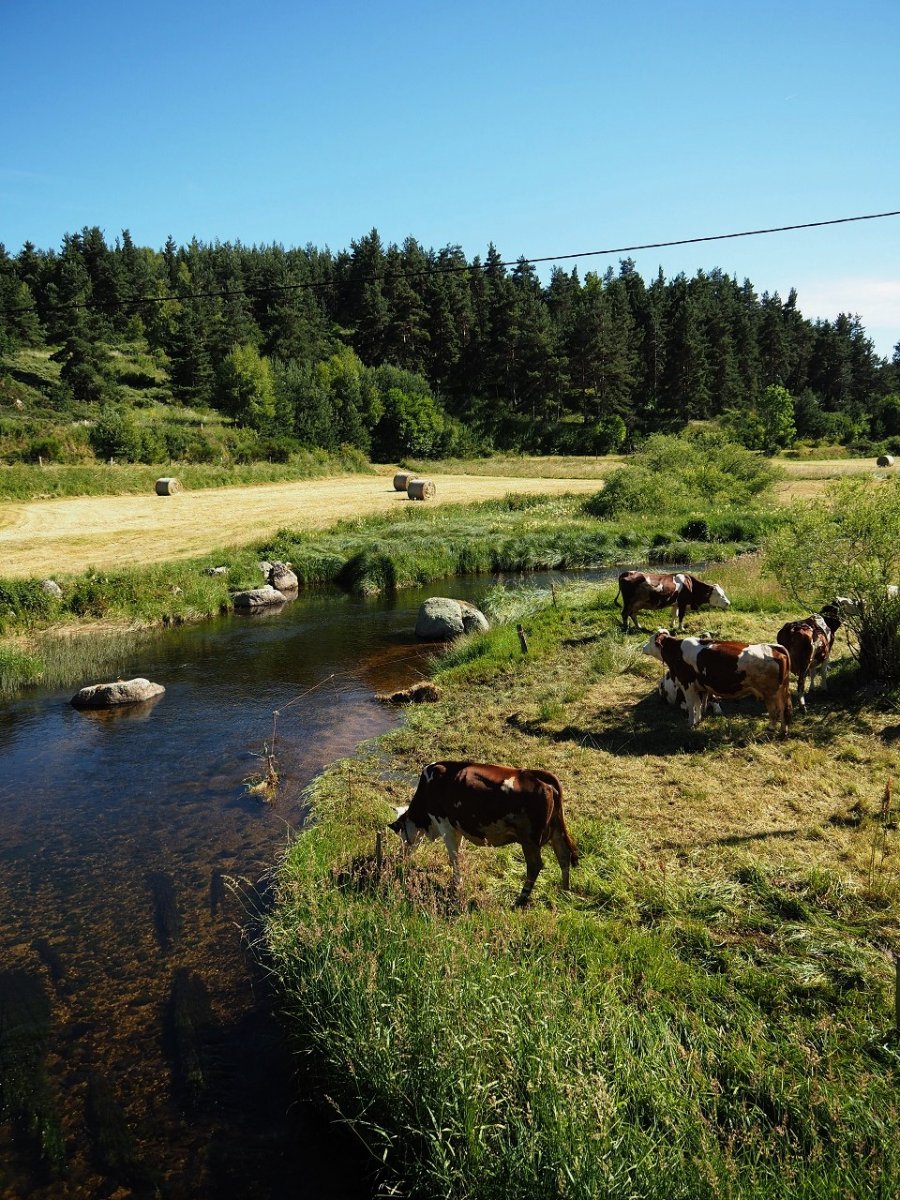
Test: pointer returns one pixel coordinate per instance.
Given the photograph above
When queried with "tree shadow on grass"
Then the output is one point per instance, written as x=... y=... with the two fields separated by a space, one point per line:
x=652 y=728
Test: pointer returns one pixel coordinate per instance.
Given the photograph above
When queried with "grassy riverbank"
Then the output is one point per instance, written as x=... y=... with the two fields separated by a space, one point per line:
x=710 y=1011
x=414 y=546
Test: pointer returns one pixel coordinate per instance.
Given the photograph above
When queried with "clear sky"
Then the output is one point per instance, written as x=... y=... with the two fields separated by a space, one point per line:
x=547 y=128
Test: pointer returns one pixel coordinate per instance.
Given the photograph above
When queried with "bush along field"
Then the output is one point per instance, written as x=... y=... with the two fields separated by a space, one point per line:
x=709 y=1012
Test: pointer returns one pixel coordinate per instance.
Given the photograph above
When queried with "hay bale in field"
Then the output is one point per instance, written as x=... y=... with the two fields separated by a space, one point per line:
x=401 y=479
x=168 y=485
x=885 y=460
x=420 y=489
x=112 y=695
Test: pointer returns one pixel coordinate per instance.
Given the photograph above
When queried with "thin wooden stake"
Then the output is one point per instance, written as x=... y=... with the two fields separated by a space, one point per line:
x=379 y=854
x=522 y=639
x=897 y=993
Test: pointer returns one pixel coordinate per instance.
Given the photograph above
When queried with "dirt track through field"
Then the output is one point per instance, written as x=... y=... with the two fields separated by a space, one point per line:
x=59 y=537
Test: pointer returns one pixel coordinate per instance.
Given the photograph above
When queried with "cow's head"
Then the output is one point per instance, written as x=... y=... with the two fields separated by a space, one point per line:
x=717 y=598
x=653 y=647
x=405 y=828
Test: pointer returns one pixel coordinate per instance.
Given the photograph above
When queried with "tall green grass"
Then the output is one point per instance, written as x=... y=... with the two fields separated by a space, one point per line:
x=630 y=1042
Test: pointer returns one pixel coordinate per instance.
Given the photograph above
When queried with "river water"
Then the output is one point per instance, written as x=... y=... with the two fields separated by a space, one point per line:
x=149 y=1036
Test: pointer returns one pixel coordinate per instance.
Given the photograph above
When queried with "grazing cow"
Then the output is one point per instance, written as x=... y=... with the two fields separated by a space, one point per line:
x=853 y=606
x=809 y=643
x=490 y=806
x=726 y=670
x=671 y=691
x=640 y=590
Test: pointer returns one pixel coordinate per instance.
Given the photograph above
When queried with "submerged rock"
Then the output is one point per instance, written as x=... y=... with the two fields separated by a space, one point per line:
x=111 y=695
x=420 y=693
x=442 y=618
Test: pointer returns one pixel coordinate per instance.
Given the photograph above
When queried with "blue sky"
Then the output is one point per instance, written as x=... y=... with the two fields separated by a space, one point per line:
x=545 y=128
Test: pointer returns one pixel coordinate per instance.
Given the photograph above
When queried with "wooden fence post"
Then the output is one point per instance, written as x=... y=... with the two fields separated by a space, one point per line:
x=522 y=639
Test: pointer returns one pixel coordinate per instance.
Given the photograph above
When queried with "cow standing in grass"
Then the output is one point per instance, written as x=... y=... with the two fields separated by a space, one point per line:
x=490 y=805
x=708 y=670
x=809 y=642
x=642 y=590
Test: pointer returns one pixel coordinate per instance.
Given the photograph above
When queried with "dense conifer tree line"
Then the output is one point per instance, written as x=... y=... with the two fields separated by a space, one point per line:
x=399 y=349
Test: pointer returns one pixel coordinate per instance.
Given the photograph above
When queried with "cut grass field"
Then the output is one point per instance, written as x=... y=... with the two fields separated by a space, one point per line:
x=67 y=535
x=709 y=1012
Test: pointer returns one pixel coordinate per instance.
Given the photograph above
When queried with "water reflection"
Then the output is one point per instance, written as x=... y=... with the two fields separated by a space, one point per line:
x=164 y=1071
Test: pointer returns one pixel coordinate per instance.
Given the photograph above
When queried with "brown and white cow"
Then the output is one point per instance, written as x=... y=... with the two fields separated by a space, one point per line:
x=726 y=670
x=490 y=805
x=809 y=643
x=640 y=590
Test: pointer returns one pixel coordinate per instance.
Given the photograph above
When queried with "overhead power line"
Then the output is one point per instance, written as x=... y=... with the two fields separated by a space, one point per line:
x=454 y=269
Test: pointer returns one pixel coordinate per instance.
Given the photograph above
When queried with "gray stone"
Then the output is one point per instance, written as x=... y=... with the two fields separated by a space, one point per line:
x=112 y=695
x=442 y=618
x=51 y=587
x=216 y=571
x=262 y=597
x=282 y=577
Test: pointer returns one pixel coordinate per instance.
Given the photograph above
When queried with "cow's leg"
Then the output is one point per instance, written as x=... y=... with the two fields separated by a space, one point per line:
x=563 y=854
x=533 y=865
x=694 y=698
x=780 y=709
x=452 y=838
x=678 y=612
x=802 y=679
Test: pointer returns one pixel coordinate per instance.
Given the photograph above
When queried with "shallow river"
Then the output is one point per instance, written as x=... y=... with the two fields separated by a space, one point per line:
x=150 y=1036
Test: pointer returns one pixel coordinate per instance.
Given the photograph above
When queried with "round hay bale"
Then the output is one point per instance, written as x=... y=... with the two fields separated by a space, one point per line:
x=167 y=486
x=401 y=479
x=420 y=489
x=886 y=460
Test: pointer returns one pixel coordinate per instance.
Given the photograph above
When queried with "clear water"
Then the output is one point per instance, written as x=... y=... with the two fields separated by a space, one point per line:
x=118 y=834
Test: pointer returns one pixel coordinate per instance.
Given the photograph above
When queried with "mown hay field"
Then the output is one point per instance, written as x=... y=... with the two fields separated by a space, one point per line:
x=42 y=537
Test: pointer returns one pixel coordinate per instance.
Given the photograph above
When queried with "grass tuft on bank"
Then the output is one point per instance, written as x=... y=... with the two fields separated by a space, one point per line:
x=709 y=1012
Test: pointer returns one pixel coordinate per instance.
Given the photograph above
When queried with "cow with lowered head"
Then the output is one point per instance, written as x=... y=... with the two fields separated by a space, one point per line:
x=490 y=805
x=644 y=590
x=809 y=642
x=709 y=670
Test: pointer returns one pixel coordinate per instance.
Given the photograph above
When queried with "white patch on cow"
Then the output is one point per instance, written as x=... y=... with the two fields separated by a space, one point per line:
x=679 y=581
x=690 y=648
x=401 y=810
x=754 y=653
x=652 y=648
x=669 y=689
x=509 y=785
x=428 y=772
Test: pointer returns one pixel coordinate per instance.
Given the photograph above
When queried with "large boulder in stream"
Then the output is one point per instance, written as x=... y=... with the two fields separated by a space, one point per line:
x=261 y=597
x=440 y=619
x=116 y=694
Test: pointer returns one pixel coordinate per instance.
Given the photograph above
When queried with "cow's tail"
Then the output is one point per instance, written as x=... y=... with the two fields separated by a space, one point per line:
x=784 y=686
x=557 y=820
